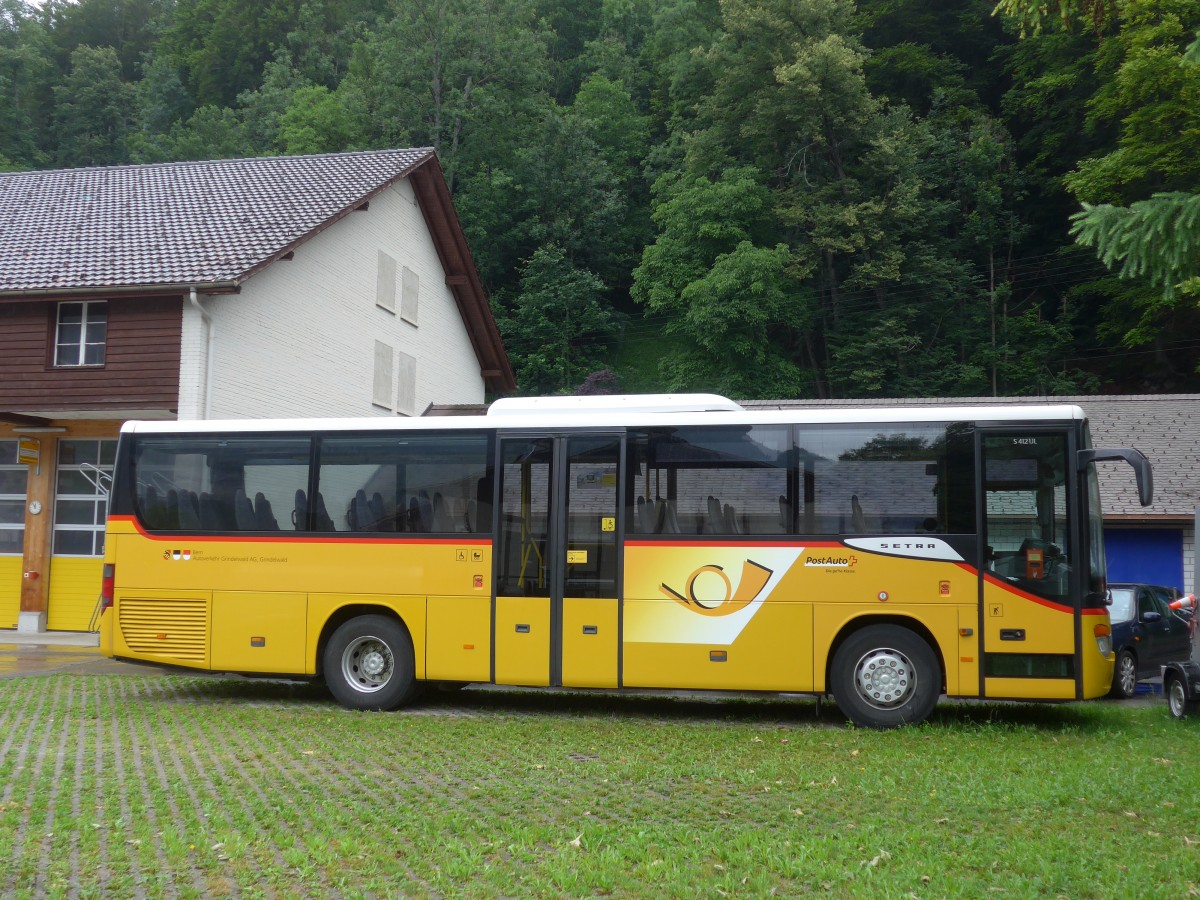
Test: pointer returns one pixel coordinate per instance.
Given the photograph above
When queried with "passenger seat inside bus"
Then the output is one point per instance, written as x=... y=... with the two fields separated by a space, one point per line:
x=300 y=511
x=324 y=521
x=714 y=523
x=264 y=516
x=649 y=516
x=189 y=511
x=243 y=512
x=732 y=525
x=153 y=510
x=381 y=519
x=858 y=519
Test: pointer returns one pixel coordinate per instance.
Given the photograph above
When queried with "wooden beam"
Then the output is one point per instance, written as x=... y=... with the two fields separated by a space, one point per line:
x=19 y=419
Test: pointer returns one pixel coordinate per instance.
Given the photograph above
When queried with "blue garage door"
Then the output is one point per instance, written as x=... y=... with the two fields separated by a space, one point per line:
x=1149 y=555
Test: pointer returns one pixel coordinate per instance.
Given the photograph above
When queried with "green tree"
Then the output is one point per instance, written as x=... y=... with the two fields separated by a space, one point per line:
x=128 y=26
x=557 y=329
x=316 y=121
x=1155 y=95
x=219 y=47
x=725 y=296
x=92 y=109
x=211 y=132
x=26 y=74
x=463 y=76
x=554 y=188
x=1149 y=89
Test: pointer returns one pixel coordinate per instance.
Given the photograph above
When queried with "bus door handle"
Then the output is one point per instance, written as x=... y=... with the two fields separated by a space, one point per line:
x=522 y=629
x=1012 y=634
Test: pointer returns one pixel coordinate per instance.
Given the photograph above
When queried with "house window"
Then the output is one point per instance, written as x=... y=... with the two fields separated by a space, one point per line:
x=81 y=496
x=14 y=481
x=80 y=334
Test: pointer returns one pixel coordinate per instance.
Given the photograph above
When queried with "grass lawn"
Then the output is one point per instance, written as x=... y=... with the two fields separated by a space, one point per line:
x=186 y=787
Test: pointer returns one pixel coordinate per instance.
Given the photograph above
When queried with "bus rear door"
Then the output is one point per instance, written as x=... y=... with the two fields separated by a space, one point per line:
x=556 y=612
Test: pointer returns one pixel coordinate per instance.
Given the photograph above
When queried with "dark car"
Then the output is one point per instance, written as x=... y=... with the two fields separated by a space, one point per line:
x=1146 y=633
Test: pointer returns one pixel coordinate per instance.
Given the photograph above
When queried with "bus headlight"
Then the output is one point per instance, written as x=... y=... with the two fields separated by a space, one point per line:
x=1103 y=640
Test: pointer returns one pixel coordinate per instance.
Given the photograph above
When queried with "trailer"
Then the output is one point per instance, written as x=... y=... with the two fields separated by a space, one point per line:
x=1181 y=684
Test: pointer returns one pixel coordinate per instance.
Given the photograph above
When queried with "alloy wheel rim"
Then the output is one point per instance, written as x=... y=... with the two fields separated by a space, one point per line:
x=367 y=664
x=885 y=678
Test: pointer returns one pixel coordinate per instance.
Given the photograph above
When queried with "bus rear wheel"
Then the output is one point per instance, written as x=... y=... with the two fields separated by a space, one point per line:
x=885 y=676
x=368 y=664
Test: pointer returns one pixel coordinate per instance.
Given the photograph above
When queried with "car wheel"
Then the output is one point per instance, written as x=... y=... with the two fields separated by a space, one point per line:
x=368 y=664
x=1124 y=683
x=885 y=676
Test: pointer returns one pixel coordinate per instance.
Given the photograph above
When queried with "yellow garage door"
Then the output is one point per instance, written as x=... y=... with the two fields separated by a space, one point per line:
x=74 y=592
x=10 y=590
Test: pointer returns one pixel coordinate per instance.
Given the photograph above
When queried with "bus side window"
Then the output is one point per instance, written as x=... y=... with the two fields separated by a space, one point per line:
x=412 y=482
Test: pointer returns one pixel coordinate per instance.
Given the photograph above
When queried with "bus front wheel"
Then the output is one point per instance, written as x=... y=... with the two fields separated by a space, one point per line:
x=368 y=664
x=885 y=676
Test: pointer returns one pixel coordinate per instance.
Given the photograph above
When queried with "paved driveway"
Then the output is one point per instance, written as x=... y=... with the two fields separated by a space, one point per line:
x=47 y=654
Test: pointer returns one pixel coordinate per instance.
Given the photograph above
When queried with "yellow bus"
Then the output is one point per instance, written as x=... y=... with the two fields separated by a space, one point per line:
x=885 y=556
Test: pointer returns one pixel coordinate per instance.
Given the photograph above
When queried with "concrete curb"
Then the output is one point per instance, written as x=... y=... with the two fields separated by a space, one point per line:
x=51 y=638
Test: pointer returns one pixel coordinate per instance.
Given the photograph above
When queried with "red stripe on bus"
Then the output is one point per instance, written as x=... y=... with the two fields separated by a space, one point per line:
x=1025 y=595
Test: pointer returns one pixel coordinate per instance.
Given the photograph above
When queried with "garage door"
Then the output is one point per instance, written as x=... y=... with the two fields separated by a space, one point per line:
x=1142 y=554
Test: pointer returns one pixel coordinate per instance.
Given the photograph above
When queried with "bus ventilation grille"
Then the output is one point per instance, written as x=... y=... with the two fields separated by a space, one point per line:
x=175 y=629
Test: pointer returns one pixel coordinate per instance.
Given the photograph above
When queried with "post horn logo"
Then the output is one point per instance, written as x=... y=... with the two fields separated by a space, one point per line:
x=754 y=578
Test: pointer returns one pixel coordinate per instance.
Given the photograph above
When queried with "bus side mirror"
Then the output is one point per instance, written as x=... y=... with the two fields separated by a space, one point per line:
x=1136 y=458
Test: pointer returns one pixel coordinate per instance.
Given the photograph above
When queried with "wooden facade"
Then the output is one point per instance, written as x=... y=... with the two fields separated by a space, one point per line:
x=141 y=362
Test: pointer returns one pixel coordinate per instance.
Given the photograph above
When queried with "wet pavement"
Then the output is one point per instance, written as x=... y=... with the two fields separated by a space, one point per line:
x=60 y=651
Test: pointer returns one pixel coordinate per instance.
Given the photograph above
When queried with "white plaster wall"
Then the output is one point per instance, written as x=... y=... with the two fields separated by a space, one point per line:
x=299 y=340
x=193 y=363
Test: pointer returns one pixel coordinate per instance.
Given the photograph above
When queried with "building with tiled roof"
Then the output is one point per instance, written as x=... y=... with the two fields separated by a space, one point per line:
x=1157 y=543
x=338 y=284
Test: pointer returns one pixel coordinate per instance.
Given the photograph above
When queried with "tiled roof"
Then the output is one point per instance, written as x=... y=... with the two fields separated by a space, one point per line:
x=1166 y=427
x=188 y=223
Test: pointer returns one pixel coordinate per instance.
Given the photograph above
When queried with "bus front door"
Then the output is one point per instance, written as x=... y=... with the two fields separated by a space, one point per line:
x=1028 y=615
x=556 y=613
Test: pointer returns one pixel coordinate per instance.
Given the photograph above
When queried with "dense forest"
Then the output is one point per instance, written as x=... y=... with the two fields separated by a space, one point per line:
x=806 y=198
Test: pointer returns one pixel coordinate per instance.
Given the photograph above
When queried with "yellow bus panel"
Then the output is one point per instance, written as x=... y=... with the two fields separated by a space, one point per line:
x=255 y=631
x=1097 y=669
x=589 y=642
x=523 y=640
x=458 y=639
x=770 y=653
x=1020 y=623
x=1031 y=688
x=969 y=653
x=169 y=626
